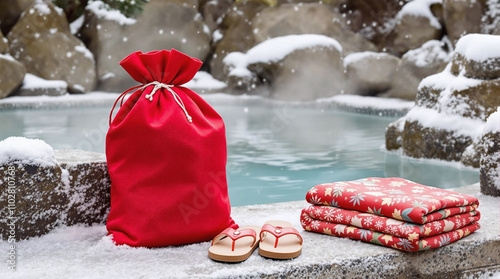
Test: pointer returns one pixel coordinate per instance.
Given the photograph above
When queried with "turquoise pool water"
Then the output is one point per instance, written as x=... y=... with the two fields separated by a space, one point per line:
x=276 y=152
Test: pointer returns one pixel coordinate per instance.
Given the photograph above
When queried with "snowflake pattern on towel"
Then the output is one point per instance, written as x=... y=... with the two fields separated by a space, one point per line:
x=395 y=198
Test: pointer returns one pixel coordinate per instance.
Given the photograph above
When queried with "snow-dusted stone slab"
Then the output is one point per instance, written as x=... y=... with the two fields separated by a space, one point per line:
x=478 y=56
x=77 y=248
x=43 y=189
x=89 y=191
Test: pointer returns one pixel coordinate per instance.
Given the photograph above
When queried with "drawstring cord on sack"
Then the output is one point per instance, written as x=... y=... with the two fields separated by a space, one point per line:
x=176 y=97
x=149 y=96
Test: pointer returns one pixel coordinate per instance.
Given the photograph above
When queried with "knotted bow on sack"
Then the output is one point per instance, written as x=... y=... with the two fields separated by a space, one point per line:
x=166 y=154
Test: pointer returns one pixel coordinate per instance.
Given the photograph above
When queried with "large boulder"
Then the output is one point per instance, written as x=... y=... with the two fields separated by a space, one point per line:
x=415 y=25
x=235 y=34
x=415 y=65
x=42 y=41
x=12 y=75
x=462 y=17
x=162 y=25
x=35 y=86
x=310 y=18
x=451 y=109
x=369 y=73
x=10 y=10
x=478 y=56
x=3 y=44
x=293 y=67
x=213 y=12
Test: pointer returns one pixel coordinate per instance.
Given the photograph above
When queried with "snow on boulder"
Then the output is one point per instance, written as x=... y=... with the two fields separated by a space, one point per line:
x=415 y=25
x=204 y=82
x=294 y=67
x=478 y=56
x=42 y=41
x=36 y=86
x=369 y=73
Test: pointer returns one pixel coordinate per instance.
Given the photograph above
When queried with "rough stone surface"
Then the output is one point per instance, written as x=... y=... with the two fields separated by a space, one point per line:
x=12 y=75
x=213 y=11
x=477 y=102
x=489 y=172
x=415 y=65
x=89 y=191
x=488 y=69
x=371 y=74
x=462 y=17
x=472 y=154
x=394 y=135
x=3 y=44
x=39 y=199
x=10 y=10
x=424 y=142
x=76 y=191
x=237 y=32
x=309 y=18
x=412 y=31
x=42 y=41
x=308 y=74
x=162 y=25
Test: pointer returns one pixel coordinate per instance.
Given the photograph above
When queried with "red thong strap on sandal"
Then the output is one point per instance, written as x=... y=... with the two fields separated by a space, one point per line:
x=235 y=235
x=278 y=232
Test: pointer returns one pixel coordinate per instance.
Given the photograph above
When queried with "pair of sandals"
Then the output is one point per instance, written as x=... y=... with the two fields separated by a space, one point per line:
x=276 y=240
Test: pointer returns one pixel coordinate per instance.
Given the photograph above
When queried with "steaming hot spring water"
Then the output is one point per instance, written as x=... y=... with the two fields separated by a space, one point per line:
x=276 y=151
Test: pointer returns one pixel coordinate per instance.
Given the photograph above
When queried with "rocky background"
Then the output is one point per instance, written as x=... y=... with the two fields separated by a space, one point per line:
x=392 y=44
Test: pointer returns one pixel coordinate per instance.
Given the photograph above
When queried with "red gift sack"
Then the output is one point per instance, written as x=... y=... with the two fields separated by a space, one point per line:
x=166 y=154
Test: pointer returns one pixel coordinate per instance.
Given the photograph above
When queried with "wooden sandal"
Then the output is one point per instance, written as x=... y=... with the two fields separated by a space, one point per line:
x=234 y=245
x=290 y=240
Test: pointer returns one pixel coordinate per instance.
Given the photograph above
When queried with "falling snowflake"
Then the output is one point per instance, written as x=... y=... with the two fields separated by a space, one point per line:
x=339 y=217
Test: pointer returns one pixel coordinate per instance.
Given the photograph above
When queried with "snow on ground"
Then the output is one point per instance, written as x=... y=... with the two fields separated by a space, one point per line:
x=26 y=151
x=420 y=8
x=276 y=49
x=469 y=47
x=31 y=81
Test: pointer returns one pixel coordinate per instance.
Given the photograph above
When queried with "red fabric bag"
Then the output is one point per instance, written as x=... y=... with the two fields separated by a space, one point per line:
x=166 y=154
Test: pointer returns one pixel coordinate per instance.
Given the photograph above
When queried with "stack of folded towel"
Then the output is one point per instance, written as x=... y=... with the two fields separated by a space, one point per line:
x=392 y=212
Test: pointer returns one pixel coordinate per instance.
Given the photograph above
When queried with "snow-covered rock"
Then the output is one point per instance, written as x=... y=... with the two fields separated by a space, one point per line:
x=451 y=108
x=369 y=73
x=42 y=41
x=12 y=75
x=295 y=67
x=415 y=25
x=162 y=25
x=44 y=189
x=35 y=86
x=462 y=17
x=478 y=55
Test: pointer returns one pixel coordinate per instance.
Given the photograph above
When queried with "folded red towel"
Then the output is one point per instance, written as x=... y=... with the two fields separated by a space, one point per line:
x=394 y=198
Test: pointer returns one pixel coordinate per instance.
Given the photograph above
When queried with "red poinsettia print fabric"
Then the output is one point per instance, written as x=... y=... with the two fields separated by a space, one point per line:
x=395 y=198
x=410 y=243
